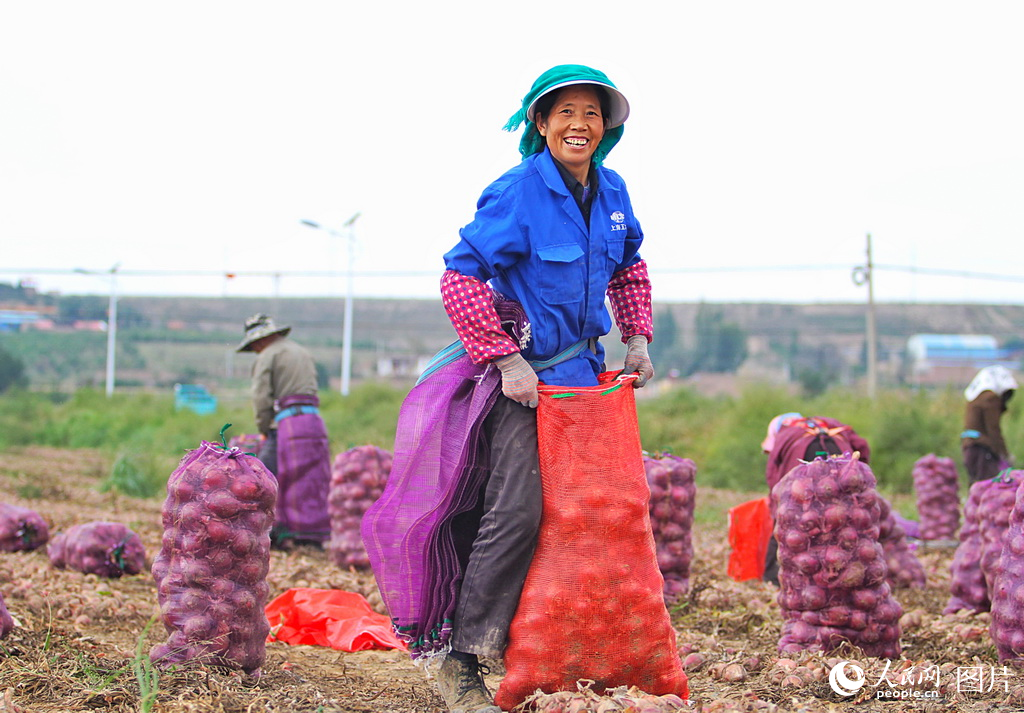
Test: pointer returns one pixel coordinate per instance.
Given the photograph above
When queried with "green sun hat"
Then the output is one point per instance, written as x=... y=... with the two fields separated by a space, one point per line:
x=565 y=75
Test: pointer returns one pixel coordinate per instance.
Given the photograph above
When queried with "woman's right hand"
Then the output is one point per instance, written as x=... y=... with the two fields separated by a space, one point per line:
x=518 y=379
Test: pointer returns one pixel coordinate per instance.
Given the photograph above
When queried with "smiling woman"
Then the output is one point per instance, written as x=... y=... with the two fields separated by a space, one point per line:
x=525 y=289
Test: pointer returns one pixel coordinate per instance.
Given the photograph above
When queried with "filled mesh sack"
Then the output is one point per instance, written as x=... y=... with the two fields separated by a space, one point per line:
x=673 y=496
x=1007 y=592
x=106 y=549
x=905 y=570
x=994 y=514
x=21 y=529
x=247 y=443
x=937 y=486
x=832 y=570
x=967 y=586
x=6 y=620
x=358 y=478
x=592 y=607
x=211 y=572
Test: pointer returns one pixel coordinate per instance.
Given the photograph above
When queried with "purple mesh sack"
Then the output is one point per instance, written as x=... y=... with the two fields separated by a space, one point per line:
x=357 y=481
x=436 y=474
x=21 y=529
x=212 y=568
x=904 y=569
x=994 y=514
x=673 y=495
x=937 y=485
x=6 y=620
x=967 y=583
x=106 y=549
x=1007 y=624
x=832 y=570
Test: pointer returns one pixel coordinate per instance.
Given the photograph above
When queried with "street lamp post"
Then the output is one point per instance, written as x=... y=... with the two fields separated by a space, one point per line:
x=346 y=339
x=111 y=324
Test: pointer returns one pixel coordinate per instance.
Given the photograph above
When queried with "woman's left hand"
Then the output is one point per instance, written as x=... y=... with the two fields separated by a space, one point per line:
x=638 y=360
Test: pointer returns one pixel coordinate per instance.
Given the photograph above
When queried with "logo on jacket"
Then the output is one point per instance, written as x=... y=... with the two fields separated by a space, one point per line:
x=618 y=216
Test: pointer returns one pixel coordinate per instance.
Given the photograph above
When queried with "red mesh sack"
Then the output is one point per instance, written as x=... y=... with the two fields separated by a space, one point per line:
x=211 y=572
x=937 y=485
x=6 y=620
x=21 y=529
x=905 y=569
x=750 y=531
x=832 y=570
x=358 y=478
x=592 y=606
x=1007 y=591
x=107 y=549
x=967 y=582
x=673 y=496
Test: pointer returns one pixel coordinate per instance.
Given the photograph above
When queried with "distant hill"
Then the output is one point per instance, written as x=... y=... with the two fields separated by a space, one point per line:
x=172 y=339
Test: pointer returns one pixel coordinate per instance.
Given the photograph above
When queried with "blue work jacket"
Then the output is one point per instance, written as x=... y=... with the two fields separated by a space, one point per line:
x=530 y=241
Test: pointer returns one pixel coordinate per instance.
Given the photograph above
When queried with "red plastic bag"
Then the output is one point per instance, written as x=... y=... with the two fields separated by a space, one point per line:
x=750 y=529
x=592 y=605
x=329 y=617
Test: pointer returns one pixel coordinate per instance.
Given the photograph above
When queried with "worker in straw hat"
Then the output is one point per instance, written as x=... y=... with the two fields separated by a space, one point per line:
x=525 y=290
x=294 y=439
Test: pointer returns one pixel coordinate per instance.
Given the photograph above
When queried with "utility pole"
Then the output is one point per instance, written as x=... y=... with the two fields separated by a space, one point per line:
x=864 y=275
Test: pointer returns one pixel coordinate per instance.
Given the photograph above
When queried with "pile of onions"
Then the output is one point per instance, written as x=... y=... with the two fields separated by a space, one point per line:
x=211 y=572
x=936 y=483
x=832 y=570
x=621 y=699
x=21 y=529
x=107 y=549
x=967 y=583
x=1007 y=590
x=905 y=570
x=994 y=510
x=358 y=478
x=673 y=495
x=6 y=620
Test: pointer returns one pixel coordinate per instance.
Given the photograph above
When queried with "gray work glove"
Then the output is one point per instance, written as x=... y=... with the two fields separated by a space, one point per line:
x=518 y=379
x=638 y=361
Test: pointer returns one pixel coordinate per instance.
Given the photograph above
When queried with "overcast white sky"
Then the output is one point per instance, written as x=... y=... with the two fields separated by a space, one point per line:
x=194 y=136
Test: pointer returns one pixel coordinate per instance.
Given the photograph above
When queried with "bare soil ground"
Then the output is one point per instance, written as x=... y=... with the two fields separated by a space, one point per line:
x=81 y=642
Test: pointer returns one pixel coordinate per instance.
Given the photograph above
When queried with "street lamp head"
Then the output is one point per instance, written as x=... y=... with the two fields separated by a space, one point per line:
x=348 y=223
x=310 y=223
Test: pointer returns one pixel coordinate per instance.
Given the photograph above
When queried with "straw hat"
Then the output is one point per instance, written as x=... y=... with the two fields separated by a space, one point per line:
x=257 y=327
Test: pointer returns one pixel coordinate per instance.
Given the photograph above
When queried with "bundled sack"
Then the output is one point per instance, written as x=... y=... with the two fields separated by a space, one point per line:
x=832 y=570
x=673 y=496
x=592 y=605
x=967 y=582
x=6 y=620
x=905 y=571
x=212 y=568
x=1007 y=623
x=21 y=529
x=247 y=443
x=937 y=485
x=106 y=549
x=357 y=481
x=994 y=515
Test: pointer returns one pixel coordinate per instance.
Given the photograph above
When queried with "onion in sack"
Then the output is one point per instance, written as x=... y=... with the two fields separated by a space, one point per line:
x=358 y=477
x=848 y=599
x=1007 y=593
x=21 y=529
x=967 y=582
x=937 y=485
x=994 y=510
x=211 y=570
x=107 y=549
x=673 y=496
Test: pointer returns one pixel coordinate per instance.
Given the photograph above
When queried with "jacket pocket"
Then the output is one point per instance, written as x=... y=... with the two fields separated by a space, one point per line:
x=562 y=273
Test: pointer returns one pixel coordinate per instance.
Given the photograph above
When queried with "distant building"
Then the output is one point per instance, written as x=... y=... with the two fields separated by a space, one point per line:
x=935 y=359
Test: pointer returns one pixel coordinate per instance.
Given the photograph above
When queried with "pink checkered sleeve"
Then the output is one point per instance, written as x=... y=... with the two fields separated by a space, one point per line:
x=468 y=303
x=630 y=295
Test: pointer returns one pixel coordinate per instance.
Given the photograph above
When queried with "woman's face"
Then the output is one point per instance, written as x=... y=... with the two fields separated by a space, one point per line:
x=574 y=128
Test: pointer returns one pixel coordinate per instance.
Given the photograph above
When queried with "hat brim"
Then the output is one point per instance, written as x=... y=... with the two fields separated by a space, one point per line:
x=618 y=108
x=246 y=344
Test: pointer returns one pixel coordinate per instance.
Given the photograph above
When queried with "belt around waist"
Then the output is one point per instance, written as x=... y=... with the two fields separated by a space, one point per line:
x=970 y=433
x=294 y=411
